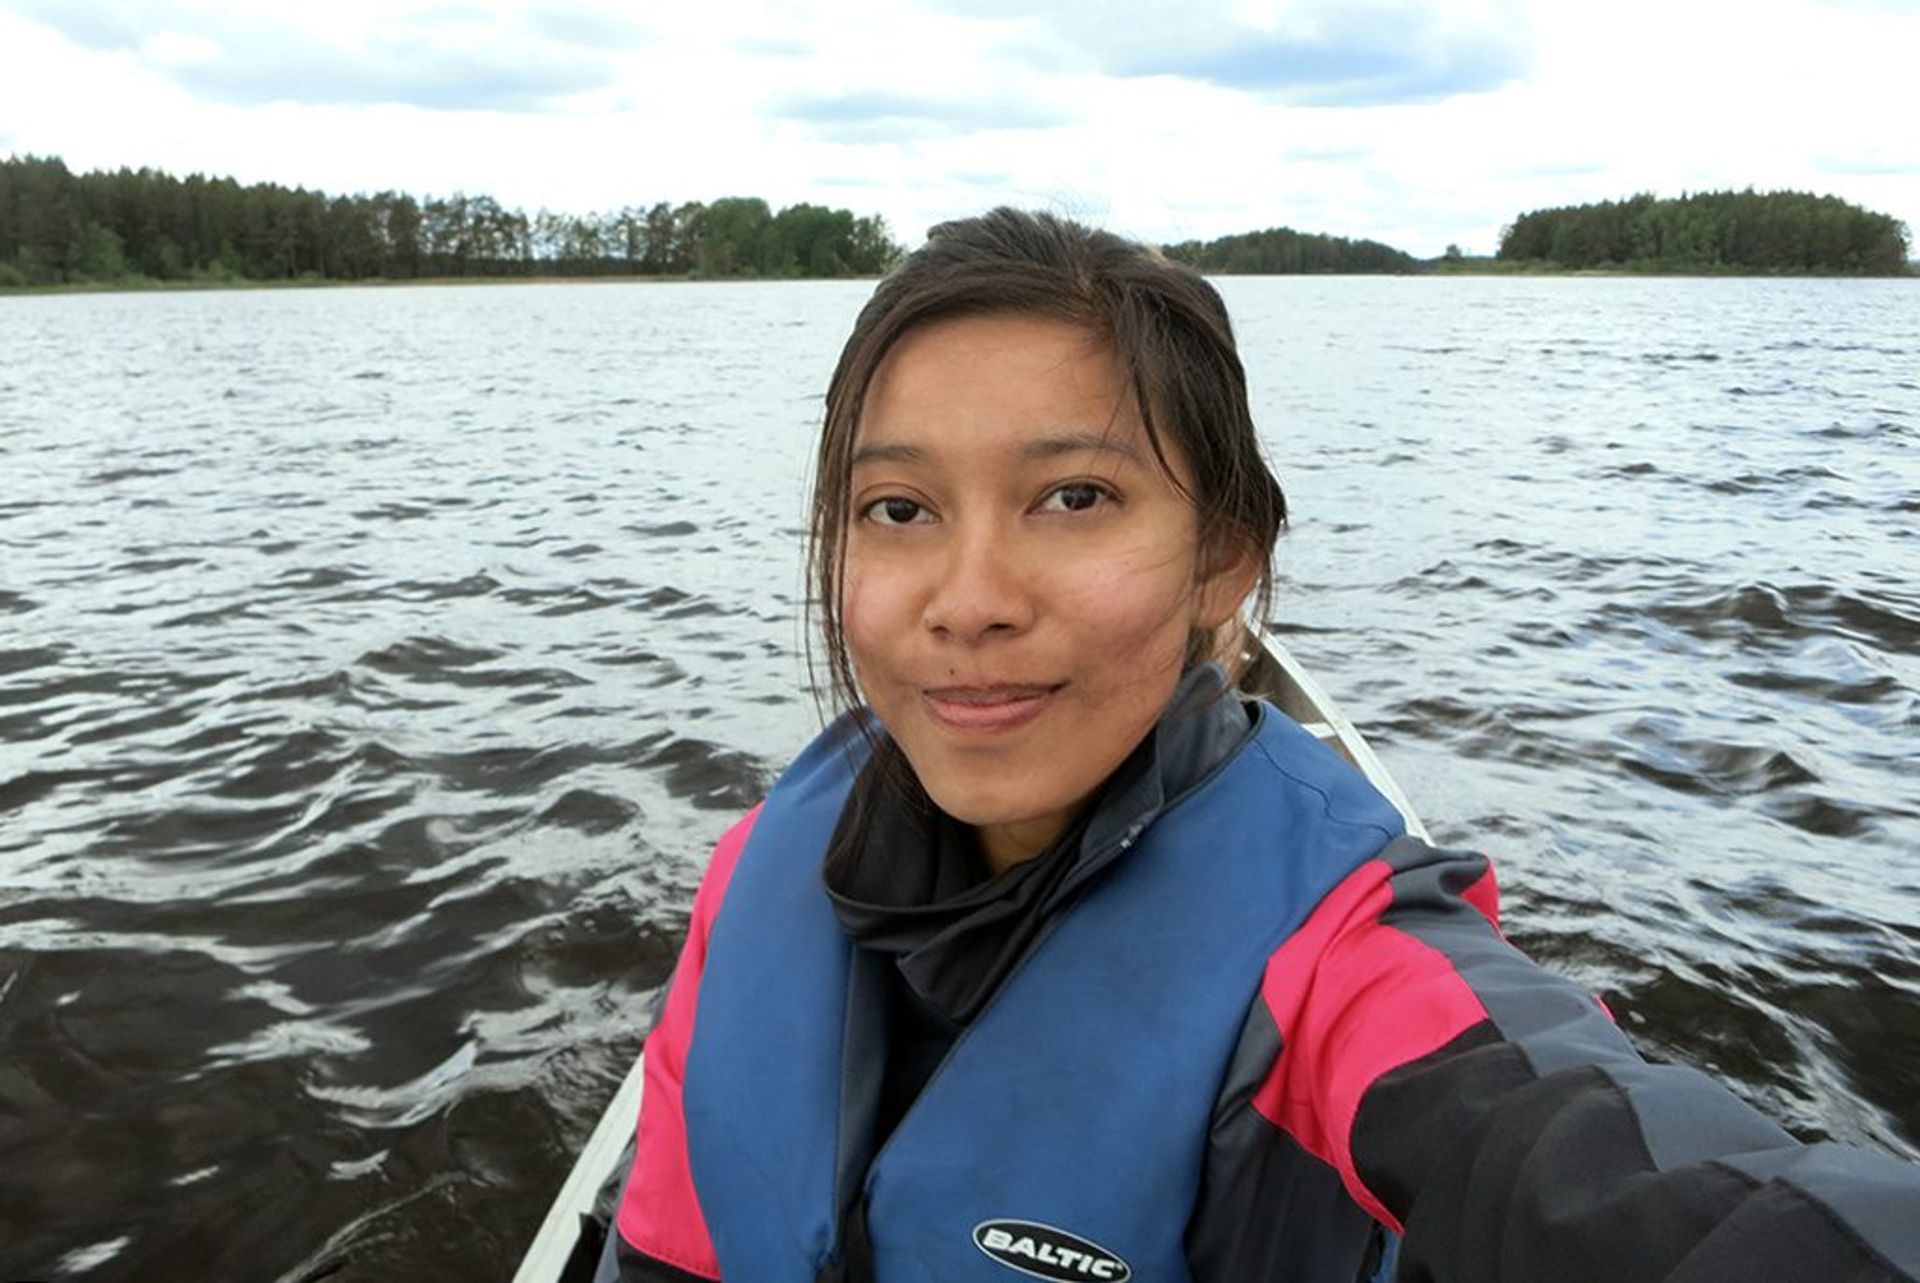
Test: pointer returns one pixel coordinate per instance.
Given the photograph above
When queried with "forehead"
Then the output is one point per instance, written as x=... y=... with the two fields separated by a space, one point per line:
x=998 y=377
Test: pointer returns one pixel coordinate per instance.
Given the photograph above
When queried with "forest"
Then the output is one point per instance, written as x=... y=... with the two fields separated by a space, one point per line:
x=1746 y=231
x=1281 y=251
x=128 y=226
x=142 y=226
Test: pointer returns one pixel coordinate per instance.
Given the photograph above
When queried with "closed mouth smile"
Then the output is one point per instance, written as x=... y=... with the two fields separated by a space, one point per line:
x=987 y=708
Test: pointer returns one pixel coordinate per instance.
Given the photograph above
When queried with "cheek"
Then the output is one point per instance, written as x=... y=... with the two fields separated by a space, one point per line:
x=1141 y=607
x=870 y=615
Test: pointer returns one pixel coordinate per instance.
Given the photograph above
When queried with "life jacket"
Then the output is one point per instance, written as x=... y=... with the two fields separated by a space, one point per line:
x=1064 y=1134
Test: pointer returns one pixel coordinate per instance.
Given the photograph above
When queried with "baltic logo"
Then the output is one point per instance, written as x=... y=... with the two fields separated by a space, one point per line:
x=1048 y=1253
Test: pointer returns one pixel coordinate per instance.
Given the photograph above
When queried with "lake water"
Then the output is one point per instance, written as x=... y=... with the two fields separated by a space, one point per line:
x=377 y=667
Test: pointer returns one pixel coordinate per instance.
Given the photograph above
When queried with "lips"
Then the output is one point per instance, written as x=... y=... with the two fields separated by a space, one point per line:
x=987 y=708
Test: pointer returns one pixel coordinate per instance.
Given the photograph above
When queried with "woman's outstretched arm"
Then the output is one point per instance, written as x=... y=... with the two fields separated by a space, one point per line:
x=1492 y=1112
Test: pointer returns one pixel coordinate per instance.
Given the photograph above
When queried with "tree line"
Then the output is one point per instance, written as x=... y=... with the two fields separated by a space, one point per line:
x=58 y=227
x=1744 y=231
x=1281 y=251
x=128 y=225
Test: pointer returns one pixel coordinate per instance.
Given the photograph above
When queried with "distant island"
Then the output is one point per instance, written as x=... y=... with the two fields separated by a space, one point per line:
x=131 y=228
x=1281 y=251
x=1708 y=232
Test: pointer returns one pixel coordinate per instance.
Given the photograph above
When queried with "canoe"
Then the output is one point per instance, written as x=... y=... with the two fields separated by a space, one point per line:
x=1269 y=672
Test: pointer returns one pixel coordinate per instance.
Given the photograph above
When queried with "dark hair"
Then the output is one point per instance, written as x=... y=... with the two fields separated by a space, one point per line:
x=1165 y=325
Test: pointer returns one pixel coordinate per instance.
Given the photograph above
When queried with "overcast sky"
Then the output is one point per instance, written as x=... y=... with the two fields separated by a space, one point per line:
x=1416 y=122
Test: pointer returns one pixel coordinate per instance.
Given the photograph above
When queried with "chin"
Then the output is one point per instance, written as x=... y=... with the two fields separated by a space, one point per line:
x=985 y=807
x=1017 y=795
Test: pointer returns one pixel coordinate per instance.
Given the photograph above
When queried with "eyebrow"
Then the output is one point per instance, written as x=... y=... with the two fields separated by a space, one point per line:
x=1048 y=447
x=888 y=452
x=1078 y=443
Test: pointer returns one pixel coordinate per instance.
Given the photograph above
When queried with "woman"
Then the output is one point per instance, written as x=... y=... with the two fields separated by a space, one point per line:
x=1052 y=957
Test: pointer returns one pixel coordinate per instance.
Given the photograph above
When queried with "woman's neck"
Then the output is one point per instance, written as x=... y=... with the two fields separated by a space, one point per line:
x=1004 y=845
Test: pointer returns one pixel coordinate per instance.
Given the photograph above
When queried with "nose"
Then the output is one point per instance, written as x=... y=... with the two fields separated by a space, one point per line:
x=980 y=589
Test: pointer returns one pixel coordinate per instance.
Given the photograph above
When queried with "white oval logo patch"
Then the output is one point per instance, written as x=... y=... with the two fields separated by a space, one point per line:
x=1048 y=1253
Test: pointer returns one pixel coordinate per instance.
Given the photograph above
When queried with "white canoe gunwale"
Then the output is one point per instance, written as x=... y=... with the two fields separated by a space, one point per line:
x=1272 y=674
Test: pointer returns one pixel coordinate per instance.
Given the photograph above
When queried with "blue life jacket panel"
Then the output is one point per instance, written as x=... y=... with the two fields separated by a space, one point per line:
x=1064 y=1135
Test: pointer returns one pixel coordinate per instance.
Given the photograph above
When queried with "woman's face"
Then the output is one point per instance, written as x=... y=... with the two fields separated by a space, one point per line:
x=1021 y=575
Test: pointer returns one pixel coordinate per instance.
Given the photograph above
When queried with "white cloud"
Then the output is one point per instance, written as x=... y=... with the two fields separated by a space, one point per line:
x=1326 y=52
x=474 y=57
x=1417 y=122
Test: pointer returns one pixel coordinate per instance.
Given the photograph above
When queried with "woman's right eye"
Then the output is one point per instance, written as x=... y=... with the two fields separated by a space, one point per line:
x=895 y=512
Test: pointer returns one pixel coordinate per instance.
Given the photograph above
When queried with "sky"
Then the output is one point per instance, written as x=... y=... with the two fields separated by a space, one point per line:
x=1421 y=123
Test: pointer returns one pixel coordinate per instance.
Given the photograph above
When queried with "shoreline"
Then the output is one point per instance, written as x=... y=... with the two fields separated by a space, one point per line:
x=1498 y=267
x=1474 y=268
x=150 y=285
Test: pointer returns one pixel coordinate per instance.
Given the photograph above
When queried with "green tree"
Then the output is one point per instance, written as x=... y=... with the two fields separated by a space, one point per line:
x=101 y=257
x=729 y=243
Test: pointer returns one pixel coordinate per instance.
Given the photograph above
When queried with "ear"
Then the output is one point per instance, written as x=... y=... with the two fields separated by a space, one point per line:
x=1228 y=574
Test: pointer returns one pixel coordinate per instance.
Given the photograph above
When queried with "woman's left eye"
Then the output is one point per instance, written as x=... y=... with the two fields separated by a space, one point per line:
x=1077 y=496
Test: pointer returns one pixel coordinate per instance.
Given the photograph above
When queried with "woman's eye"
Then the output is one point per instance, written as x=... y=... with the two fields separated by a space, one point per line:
x=895 y=512
x=1077 y=497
